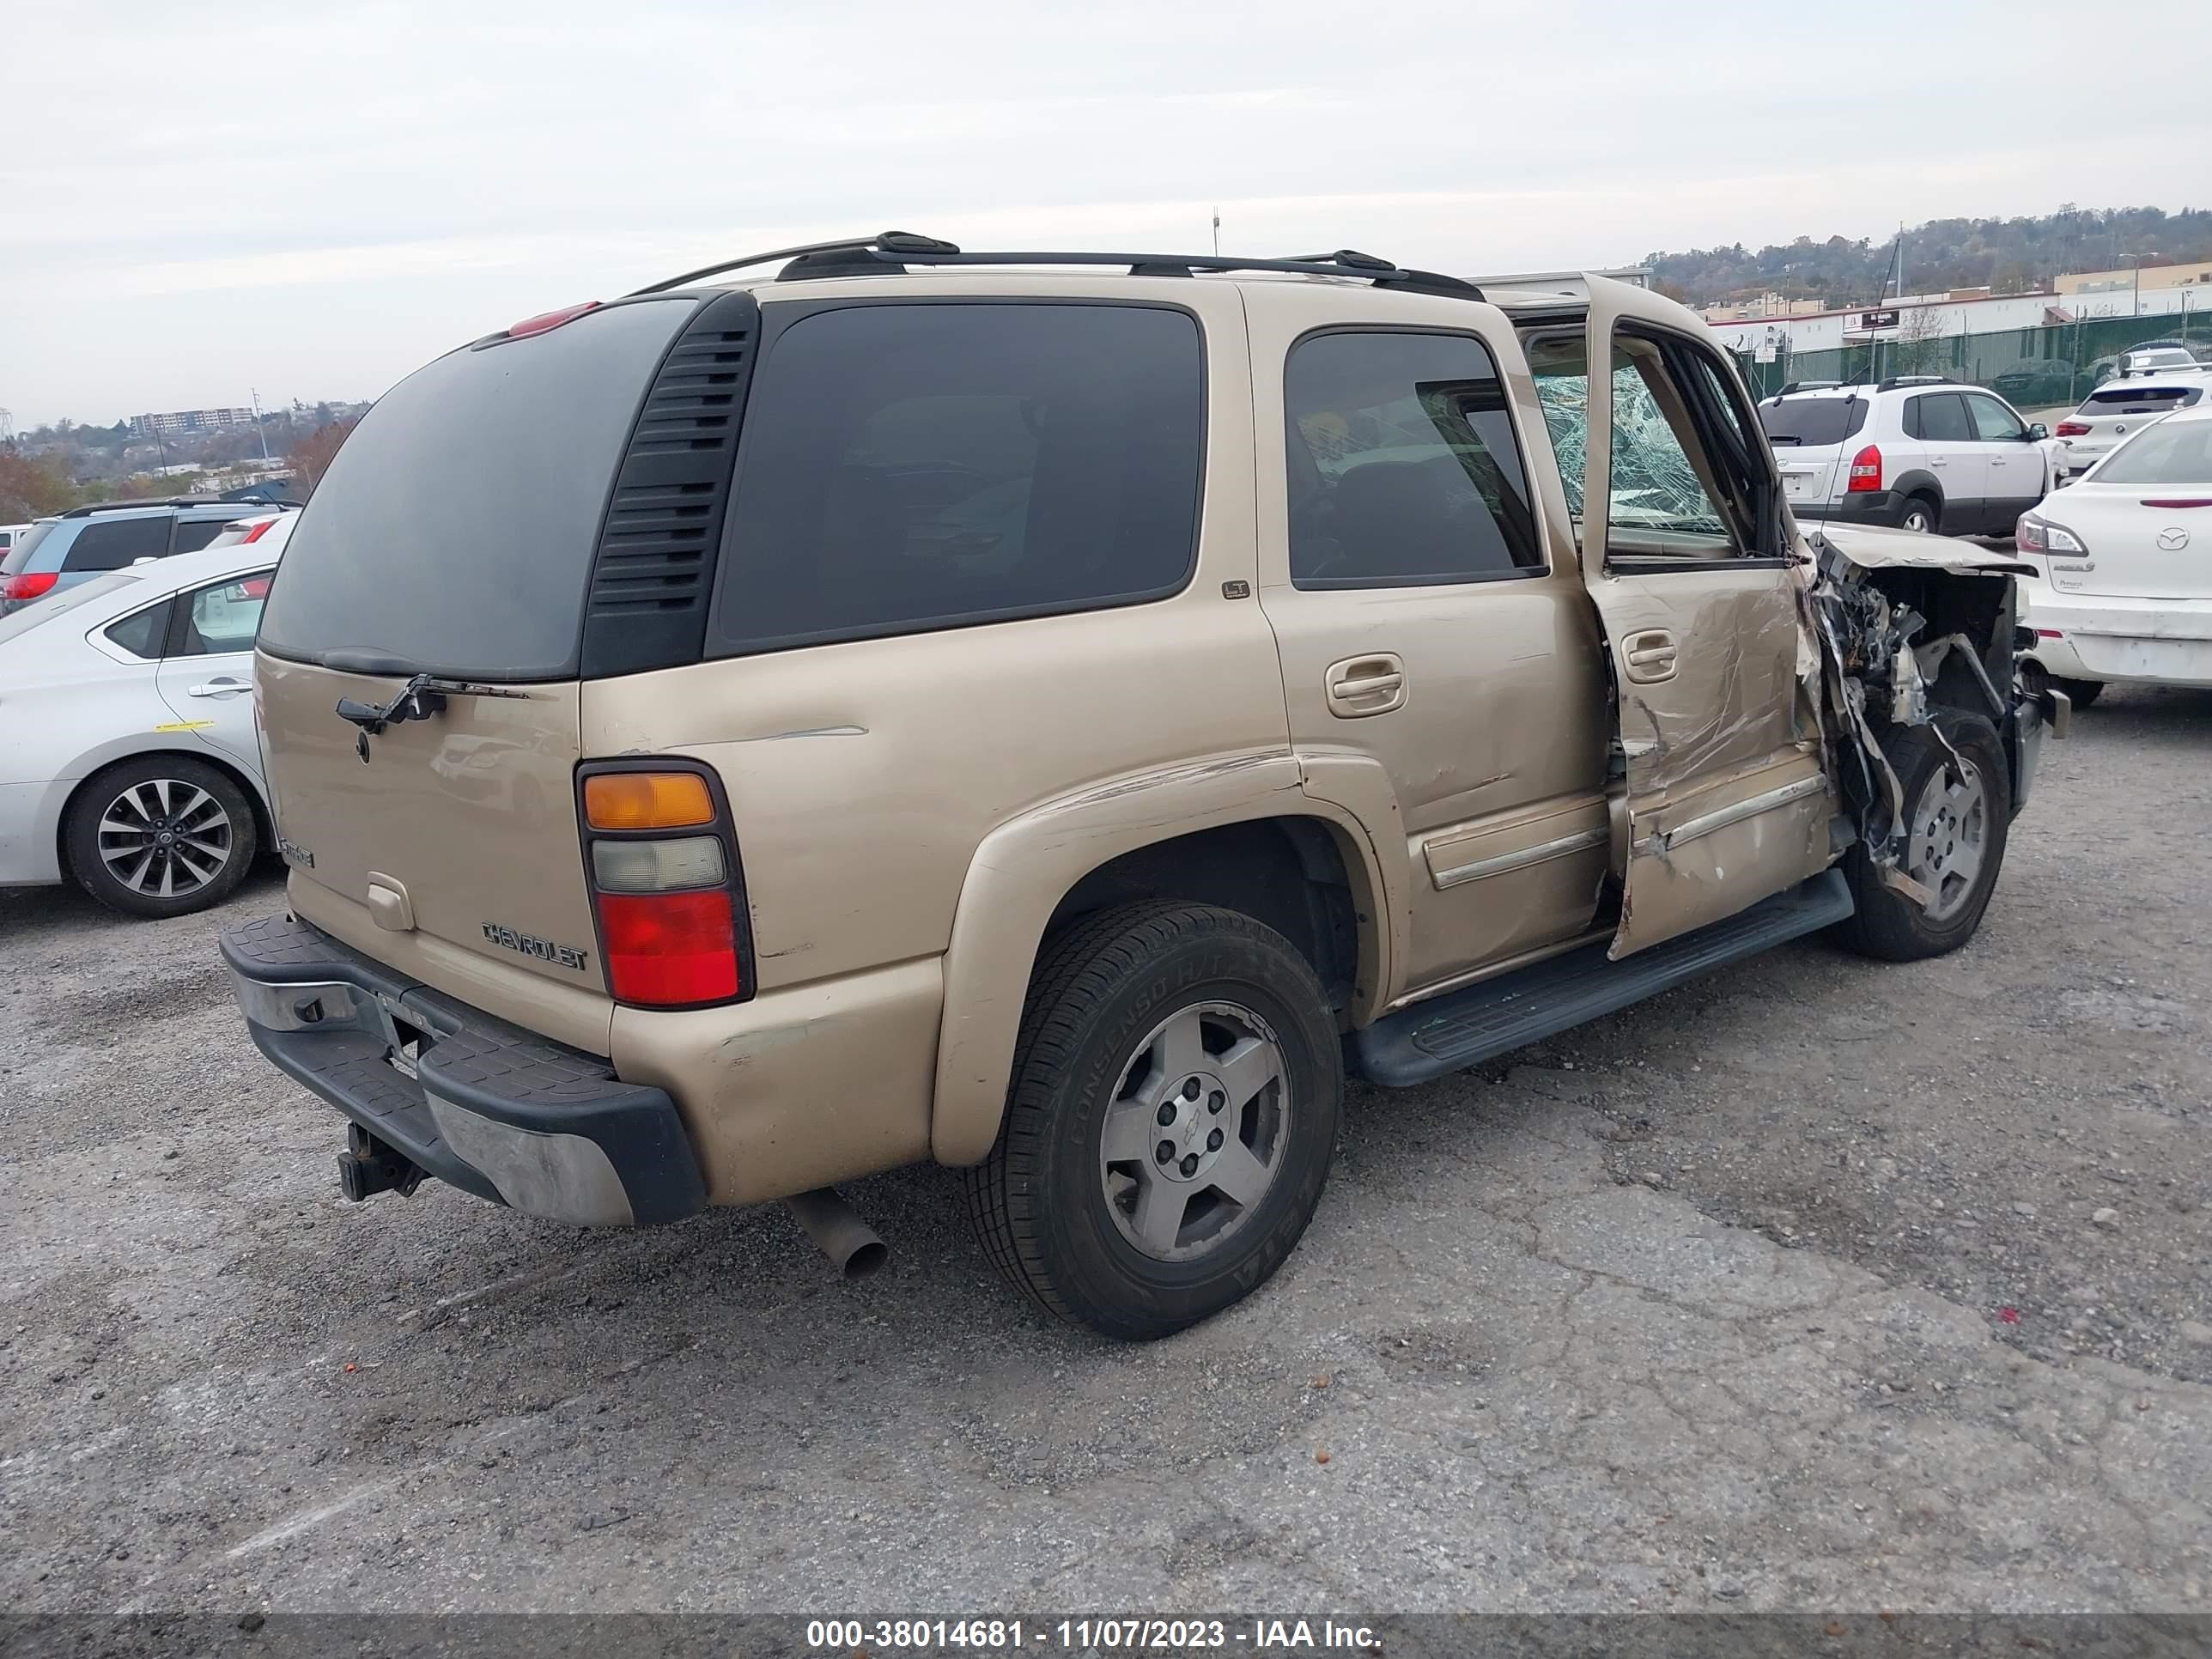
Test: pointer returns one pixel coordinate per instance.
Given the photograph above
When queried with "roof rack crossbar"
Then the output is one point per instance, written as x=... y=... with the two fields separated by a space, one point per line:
x=892 y=252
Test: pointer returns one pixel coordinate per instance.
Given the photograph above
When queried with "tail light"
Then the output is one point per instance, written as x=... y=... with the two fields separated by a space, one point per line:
x=2034 y=535
x=28 y=585
x=257 y=532
x=2185 y=501
x=1866 y=471
x=2070 y=430
x=666 y=884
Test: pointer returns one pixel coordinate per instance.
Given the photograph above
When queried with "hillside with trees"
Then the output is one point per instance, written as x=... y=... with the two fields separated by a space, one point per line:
x=2010 y=255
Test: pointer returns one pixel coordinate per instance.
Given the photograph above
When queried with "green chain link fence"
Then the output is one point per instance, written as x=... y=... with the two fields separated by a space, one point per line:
x=2030 y=367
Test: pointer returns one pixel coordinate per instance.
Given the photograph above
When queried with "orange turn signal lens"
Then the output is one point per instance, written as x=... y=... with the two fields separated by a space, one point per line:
x=646 y=800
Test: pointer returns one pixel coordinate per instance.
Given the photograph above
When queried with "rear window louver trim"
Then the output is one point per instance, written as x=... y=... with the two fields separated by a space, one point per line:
x=654 y=566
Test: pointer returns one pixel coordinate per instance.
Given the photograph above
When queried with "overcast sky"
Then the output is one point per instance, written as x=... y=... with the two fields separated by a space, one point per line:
x=311 y=200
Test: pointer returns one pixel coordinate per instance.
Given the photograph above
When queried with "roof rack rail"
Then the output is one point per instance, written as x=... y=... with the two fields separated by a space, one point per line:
x=891 y=252
x=1893 y=381
x=1808 y=385
x=85 y=512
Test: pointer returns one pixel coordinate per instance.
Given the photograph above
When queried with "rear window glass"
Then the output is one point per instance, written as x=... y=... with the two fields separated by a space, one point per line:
x=915 y=466
x=1812 y=422
x=455 y=528
x=111 y=543
x=2170 y=453
x=2150 y=399
x=59 y=604
x=19 y=556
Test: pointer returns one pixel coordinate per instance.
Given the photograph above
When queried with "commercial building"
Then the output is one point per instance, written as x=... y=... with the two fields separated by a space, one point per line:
x=2129 y=278
x=177 y=420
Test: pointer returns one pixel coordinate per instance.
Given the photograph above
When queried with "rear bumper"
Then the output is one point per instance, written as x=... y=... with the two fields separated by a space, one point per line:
x=2109 y=638
x=490 y=1109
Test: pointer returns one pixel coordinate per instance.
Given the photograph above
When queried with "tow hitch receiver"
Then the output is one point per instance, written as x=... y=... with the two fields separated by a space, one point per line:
x=368 y=1167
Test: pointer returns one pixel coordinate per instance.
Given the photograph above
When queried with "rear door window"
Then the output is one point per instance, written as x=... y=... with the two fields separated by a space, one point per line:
x=456 y=527
x=906 y=467
x=142 y=632
x=1403 y=464
x=1942 y=419
x=193 y=534
x=111 y=543
x=222 y=617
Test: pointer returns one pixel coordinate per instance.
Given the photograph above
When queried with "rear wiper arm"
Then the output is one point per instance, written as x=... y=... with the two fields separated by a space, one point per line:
x=423 y=696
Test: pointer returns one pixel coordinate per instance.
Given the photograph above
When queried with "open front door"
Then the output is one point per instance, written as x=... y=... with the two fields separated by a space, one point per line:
x=1685 y=551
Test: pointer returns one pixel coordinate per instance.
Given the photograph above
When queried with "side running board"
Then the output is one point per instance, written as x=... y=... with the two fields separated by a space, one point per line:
x=1497 y=1015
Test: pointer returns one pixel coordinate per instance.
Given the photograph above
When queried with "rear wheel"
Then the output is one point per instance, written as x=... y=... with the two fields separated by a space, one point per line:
x=1956 y=814
x=1923 y=514
x=1176 y=1089
x=2081 y=692
x=162 y=837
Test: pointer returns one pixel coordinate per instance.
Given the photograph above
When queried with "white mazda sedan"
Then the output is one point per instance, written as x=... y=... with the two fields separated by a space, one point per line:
x=129 y=760
x=2126 y=593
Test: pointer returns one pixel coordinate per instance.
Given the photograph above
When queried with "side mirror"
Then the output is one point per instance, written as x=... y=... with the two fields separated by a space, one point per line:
x=2037 y=433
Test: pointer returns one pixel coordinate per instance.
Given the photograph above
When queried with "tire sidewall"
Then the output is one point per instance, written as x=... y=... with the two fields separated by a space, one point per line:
x=1105 y=1278
x=1916 y=504
x=91 y=801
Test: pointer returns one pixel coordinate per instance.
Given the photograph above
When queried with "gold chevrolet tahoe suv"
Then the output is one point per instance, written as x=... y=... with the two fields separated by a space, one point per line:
x=1058 y=714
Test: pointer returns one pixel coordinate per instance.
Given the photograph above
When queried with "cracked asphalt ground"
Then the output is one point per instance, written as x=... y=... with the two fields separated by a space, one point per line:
x=1699 y=1307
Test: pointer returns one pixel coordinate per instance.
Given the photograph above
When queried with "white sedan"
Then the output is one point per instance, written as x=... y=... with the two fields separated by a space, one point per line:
x=2127 y=556
x=129 y=761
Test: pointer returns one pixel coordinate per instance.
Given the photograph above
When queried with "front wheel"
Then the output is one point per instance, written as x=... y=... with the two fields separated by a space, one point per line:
x=1177 y=1082
x=1958 y=807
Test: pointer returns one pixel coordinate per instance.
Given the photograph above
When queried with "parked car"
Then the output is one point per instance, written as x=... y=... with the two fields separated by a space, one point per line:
x=129 y=760
x=9 y=532
x=2149 y=357
x=77 y=546
x=1919 y=453
x=2123 y=593
x=2110 y=413
x=1046 y=733
x=2036 y=381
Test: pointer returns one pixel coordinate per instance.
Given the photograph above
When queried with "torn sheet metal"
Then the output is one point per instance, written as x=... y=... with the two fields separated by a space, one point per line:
x=1871 y=547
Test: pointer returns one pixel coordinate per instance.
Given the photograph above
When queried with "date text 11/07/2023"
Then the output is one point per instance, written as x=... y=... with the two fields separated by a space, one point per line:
x=849 y=1636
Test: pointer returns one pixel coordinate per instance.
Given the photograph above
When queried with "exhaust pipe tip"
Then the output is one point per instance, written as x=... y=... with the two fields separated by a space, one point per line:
x=838 y=1232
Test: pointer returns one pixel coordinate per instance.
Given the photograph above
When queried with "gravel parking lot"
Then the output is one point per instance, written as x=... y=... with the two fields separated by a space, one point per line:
x=1817 y=1284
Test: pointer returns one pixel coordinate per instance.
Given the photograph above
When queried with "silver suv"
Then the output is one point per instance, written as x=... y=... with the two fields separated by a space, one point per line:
x=1918 y=451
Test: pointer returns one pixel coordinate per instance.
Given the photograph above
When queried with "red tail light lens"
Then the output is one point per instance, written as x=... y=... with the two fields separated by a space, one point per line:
x=2070 y=430
x=671 y=908
x=2186 y=501
x=549 y=319
x=669 y=949
x=29 y=586
x=1866 y=471
x=257 y=532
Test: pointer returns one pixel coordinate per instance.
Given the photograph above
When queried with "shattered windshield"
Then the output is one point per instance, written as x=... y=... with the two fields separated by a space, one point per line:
x=1654 y=485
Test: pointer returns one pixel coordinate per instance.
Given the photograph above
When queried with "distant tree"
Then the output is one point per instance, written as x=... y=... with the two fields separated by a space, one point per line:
x=30 y=488
x=311 y=457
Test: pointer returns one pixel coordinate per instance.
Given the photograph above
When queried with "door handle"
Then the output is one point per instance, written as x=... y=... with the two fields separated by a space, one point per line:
x=1359 y=686
x=223 y=686
x=1937 y=460
x=1650 y=656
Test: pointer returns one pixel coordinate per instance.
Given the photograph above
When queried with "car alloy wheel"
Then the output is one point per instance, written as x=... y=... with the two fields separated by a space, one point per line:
x=1197 y=1131
x=165 y=838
